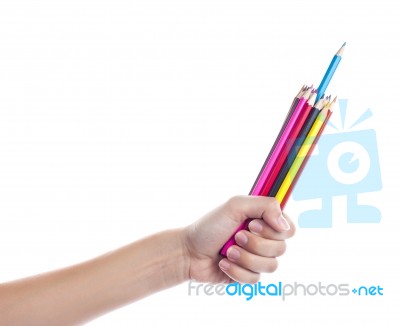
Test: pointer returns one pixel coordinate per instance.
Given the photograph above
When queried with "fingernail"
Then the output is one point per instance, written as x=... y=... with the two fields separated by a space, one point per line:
x=224 y=265
x=283 y=223
x=241 y=238
x=233 y=253
x=255 y=226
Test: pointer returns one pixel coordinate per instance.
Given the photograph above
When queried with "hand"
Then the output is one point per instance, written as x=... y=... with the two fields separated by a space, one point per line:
x=256 y=251
x=151 y=264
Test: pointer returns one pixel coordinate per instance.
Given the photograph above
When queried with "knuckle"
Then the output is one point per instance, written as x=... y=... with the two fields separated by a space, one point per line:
x=292 y=230
x=281 y=249
x=273 y=207
x=254 y=278
x=272 y=265
x=290 y=233
x=273 y=202
x=258 y=245
x=234 y=201
x=251 y=261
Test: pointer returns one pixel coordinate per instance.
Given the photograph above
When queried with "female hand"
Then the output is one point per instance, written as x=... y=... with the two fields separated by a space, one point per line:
x=257 y=249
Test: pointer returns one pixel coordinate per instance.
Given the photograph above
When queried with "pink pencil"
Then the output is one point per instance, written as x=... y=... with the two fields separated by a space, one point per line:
x=266 y=172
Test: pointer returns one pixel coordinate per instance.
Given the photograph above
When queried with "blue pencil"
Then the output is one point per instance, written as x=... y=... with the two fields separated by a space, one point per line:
x=329 y=73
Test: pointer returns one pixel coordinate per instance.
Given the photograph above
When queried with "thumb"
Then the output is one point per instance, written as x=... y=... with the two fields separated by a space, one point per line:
x=259 y=207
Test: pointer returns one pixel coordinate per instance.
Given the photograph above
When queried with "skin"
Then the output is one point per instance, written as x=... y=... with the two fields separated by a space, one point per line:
x=80 y=293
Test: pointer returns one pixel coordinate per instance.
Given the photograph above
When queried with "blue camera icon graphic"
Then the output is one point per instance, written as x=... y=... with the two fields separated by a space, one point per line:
x=346 y=163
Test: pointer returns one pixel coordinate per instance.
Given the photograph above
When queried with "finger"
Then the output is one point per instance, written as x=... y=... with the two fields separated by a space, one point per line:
x=259 y=245
x=243 y=207
x=260 y=207
x=274 y=217
x=238 y=273
x=250 y=261
x=262 y=229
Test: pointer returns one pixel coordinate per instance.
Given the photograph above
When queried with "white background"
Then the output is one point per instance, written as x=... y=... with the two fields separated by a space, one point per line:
x=123 y=118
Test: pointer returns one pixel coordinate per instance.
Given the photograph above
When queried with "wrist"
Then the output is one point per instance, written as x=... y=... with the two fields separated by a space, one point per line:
x=177 y=259
x=166 y=260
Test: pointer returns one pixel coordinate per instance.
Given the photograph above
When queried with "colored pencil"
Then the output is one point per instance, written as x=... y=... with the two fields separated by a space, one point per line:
x=330 y=71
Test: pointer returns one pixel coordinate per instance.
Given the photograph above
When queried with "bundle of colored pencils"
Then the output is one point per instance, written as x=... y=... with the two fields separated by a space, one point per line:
x=304 y=124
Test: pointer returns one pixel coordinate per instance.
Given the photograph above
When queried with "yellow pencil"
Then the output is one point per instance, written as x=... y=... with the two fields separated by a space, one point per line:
x=302 y=154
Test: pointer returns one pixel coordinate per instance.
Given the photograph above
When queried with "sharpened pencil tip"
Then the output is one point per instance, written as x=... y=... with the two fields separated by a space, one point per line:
x=333 y=104
x=341 y=50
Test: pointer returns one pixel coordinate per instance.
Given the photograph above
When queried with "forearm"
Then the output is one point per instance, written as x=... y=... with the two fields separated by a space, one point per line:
x=82 y=292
